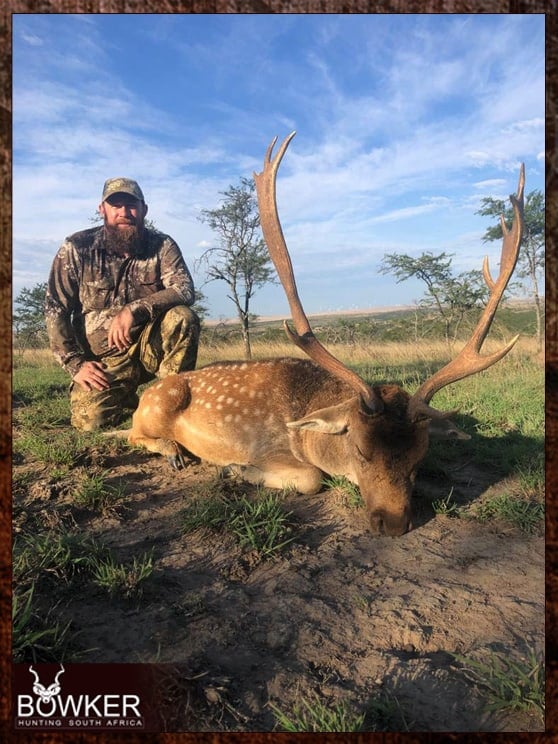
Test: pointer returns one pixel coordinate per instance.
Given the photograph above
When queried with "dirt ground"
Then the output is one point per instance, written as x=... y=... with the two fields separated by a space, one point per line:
x=341 y=613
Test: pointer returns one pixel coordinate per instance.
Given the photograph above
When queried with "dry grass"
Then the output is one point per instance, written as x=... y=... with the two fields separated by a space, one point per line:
x=385 y=354
x=34 y=358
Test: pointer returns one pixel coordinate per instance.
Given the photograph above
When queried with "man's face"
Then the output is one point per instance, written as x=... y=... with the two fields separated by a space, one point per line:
x=122 y=211
x=124 y=216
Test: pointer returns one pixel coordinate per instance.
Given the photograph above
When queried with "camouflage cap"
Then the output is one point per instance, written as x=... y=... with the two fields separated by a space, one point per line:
x=122 y=186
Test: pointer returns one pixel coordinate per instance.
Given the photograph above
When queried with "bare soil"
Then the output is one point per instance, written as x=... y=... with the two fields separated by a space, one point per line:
x=340 y=613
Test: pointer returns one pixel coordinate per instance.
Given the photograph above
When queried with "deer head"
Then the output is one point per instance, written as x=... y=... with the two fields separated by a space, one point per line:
x=385 y=431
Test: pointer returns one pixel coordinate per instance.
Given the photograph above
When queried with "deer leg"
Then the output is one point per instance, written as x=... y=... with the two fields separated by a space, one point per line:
x=177 y=456
x=283 y=472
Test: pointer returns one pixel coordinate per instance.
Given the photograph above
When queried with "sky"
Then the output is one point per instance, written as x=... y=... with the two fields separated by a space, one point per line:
x=404 y=123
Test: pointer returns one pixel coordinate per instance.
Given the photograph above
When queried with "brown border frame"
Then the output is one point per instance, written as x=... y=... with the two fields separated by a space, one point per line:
x=9 y=7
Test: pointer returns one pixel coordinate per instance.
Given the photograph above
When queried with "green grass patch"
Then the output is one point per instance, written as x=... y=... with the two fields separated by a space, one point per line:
x=348 y=491
x=63 y=450
x=123 y=578
x=527 y=516
x=312 y=715
x=38 y=382
x=50 y=413
x=37 y=636
x=259 y=524
x=96 y=493
x=59 y=555
x=48 y=568
x=446 y=507
x=508 y=684
x=532 y=477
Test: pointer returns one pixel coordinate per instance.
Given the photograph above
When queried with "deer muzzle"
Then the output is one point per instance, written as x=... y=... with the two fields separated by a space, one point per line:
x=383 y=522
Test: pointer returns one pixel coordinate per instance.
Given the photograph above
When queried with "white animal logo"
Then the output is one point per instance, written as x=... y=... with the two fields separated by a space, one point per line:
x=46 y=693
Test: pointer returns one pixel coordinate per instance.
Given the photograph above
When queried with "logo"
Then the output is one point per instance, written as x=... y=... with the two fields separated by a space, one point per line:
x=46 y=693
x=94 y=701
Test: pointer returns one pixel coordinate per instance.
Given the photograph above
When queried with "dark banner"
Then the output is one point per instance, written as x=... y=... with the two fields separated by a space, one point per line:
x=84 y=697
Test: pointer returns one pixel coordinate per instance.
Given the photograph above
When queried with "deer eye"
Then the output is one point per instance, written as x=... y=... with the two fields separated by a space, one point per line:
x=365 y=456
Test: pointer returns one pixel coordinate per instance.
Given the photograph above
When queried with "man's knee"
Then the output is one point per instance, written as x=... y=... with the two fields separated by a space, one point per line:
x=179 y=337
x=180 y=317
x=87 y=417
x=93 y=410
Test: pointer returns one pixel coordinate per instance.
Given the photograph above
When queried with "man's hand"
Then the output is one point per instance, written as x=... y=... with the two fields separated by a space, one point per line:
x=92 y=376
x=119 y=332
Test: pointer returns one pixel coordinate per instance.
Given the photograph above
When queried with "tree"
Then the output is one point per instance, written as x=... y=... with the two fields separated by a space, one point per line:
x=199 y=306
x=530 y=263
x=240 y=259
x=29 y=317
x=451 y=296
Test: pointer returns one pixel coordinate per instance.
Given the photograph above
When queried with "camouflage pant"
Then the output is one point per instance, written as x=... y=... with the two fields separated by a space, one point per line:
x=167 y=344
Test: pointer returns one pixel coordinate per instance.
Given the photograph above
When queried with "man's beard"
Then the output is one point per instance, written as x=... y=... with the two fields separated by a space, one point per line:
x=124 y=239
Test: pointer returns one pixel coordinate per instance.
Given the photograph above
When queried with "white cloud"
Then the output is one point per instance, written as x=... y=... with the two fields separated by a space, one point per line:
x=489 y=184
x=405 y=122
x=31 y=39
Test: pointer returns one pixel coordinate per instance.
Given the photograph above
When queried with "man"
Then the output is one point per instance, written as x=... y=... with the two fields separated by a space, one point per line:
x=117 y=309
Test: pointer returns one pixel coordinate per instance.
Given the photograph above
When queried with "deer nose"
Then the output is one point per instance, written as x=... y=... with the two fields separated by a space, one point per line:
x=386 y=523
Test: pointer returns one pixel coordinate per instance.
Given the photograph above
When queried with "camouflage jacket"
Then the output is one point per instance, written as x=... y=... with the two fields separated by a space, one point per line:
x=88 y=286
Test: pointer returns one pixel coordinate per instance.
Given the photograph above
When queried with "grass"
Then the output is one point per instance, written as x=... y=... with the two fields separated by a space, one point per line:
x=532 y=477
x=506 y=425
x=446 y=507
x=314 y=716
x=382 y=713
x=260 y=523
x=36 y=636
x=60 y=451
x=53 y=565
x=526 y=515
x=97 y=494
x=61 y=556
x=121 y=578
x=348 y=491
x=508 y=684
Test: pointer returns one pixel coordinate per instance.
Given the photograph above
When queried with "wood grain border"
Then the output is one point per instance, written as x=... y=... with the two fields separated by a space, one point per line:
x=10 y=7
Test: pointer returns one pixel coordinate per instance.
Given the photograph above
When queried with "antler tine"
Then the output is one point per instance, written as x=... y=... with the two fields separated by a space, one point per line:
x=302 y=336
x=469 y=361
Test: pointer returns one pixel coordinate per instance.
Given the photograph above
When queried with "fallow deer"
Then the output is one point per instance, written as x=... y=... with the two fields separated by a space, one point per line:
x=286 y=422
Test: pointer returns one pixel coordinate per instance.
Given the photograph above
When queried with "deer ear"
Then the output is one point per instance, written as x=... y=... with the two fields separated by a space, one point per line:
x=331 y=420
x=445 y=429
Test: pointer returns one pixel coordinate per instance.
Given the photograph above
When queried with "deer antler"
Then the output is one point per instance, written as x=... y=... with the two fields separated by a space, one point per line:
x=302 y=336
x=469 y=360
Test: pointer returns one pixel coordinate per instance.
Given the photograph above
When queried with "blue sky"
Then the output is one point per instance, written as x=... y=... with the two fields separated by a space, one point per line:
x=404 y=123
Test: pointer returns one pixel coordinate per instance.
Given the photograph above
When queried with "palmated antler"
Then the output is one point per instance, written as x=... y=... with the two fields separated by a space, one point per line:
x=302 y=336
x=469 y=360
